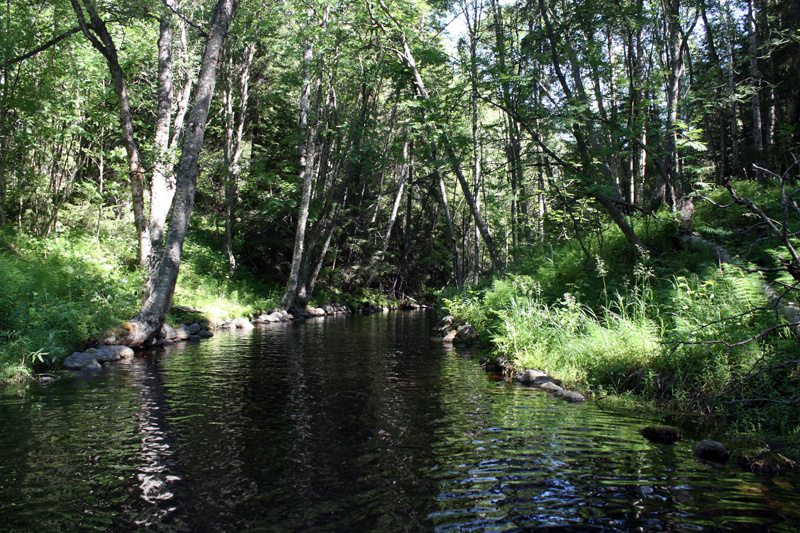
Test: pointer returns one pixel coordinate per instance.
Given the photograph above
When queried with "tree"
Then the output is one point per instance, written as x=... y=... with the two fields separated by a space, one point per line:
x=148 y=321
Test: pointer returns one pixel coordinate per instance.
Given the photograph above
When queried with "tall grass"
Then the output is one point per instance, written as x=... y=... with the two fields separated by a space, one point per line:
x=58 y=294
x=666 y=336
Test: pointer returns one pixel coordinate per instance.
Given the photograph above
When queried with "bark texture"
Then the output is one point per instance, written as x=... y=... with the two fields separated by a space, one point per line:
x=148 y=321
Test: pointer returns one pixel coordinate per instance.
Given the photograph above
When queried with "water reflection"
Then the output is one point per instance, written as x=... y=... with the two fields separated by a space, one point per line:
x=156 y=471
x=349 y=424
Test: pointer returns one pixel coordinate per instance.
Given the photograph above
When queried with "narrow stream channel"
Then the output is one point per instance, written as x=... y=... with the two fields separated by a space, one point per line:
x=349 y=424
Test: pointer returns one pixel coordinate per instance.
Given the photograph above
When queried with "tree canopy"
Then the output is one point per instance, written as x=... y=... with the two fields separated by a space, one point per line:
x=403 y=146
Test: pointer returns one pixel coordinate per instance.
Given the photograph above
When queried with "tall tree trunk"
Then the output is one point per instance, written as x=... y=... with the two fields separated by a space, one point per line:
x=736 y=168
x=472 y=16
x=457 y=271
x=755 y=80
x=148 y=321
x=676 y=70
x=719 y=157
x=97 y=34
x=162 y=184
x=234 y=135
x=638 y=111
x=306 y=178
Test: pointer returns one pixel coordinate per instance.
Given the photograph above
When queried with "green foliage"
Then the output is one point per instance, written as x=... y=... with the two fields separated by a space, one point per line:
x=57 y=295
x=204 y=281
x=672 y=324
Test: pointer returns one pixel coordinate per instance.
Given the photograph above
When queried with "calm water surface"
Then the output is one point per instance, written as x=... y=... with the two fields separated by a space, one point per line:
x=349 y=424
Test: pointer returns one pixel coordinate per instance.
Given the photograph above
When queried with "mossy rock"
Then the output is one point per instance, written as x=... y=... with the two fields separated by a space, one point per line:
x=115 y=333
x=763 y=461
x=661 y=434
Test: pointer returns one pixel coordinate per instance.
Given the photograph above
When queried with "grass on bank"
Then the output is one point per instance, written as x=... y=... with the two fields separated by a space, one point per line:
x=59 y=293
x=671 y=325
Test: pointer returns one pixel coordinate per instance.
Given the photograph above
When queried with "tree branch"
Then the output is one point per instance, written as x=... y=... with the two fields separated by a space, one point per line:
x=52 y=42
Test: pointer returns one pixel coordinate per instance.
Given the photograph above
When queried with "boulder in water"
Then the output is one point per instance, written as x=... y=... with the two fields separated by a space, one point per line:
x=712 y=451
x=550 y=386
x=661 y=434
x=81 y=361
x=571 y=396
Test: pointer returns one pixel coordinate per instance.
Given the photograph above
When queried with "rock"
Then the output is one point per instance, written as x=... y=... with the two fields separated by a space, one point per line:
x=466 y=333
x=661 y=434
x=168 y=332
x=91 y=358
x=529 y=376
x=183 y=332
x=194 y=328
x=103 y=356
x=45 y=380
x=329 y=310
x=713 y=451
x=242 y=323
x=571 y=396
x=450 y=337
x=116 y=352
x=81 y=361
x=204 y=334
x=93 y=365
x=550 y=386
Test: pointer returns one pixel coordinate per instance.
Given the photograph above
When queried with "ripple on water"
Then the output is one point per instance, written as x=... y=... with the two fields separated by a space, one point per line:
x=356 y=424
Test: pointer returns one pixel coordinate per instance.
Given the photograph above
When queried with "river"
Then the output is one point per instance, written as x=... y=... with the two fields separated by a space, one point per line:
x=350 y=424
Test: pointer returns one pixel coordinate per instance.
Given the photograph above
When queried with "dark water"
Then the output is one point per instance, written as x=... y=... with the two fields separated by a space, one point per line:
x=348 y=424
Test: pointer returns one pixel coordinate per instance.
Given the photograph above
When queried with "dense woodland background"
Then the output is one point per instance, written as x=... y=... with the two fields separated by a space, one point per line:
x=407 y=148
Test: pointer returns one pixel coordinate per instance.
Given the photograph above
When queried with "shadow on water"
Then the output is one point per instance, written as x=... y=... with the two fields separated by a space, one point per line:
x=349 y=424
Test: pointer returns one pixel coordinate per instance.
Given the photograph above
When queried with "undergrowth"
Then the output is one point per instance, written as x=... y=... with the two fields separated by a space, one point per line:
x=60 y=293
x=57 y=294
x=670 y=325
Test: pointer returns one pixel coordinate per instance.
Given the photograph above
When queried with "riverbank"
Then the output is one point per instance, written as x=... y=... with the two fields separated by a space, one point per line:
x=61 y=295
x=357 y=423
x=687 y=325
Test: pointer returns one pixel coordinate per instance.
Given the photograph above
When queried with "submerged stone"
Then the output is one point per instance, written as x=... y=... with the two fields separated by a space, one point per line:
x=571 y=396
x=713 y=451
x=81 y=361
x=529 y=377
x=550 y=386
x=764 y=461
x=661 y=434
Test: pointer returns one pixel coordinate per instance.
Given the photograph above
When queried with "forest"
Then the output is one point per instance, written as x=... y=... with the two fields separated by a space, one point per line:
x=603 y=188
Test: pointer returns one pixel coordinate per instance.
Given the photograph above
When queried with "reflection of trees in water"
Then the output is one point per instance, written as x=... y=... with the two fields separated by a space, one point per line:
x=360 y=405
x=156 y=470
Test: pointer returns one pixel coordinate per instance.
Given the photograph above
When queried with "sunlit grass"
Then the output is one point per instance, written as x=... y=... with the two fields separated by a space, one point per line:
x=671 y=325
